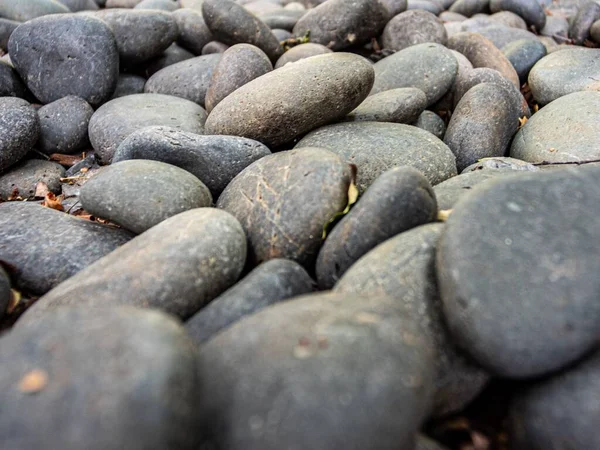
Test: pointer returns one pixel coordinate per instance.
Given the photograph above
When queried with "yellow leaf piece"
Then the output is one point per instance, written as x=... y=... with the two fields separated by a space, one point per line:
x=352 y=199
x=522 y=121
x=444 y=214
x=15 y=299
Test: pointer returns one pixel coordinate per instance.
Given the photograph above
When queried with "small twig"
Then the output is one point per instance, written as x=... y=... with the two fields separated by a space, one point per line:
x=576 y=163
x=43 y=155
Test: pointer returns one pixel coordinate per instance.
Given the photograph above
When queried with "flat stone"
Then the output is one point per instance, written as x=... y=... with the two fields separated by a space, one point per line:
x=271 y=282
x=548 y=135
x=402 y=105
x=523 y=55
x=177 y=266
x=139 y=194
x=60 y=245
x=430 y=121
x=239 y=64
x=187 y=79
x=310 y=363
x=376 y=147
x=19 y=130
x=24 y=11
x=294 y=99
x=21 y=179
x=413 y=27
x=117 y=119
x=301 y=51
x=530 y=10
x=60 y=55
x=561 y=73
x=516 y=266
x=284 y=200
x=398 y=200
x=131 y=371
x=64 y=125
x=215 y=160
x=429 y=67
x=194 y=34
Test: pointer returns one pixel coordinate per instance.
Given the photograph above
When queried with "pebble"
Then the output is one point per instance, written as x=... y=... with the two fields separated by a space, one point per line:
x=301 y=51
x=375 y=147
x=556 y=27
x=61 y=55
x=579 y=30
x=338 y=24
x=548 y=135
x=139 y=194
x=164 y=5
x=271 y=282
x=425 y=5
x=561 y=73
x=239 y=64
x=413 y=27
x=215 y=160
x=530 y=10
x=294 y=99
x=510 y=19
x=172 y=55
x=64 y=125
x=177 y=266
x=469 y=8
x=531 y=236
x=19 y=130
x=121 y=369
x=117 y=119
x=230 y=23
x=330 y=370
x=394 y=7
x=63 y=244
x=502 y=162
x=129 y=84
x=194 y=34
x=595 y=31
x=284 y=200
x=430 y=67
x=80 y=5
x=398 y=200
x=430 y=121
x=187 y=79
x=214 y=47
x=5 y=294
x=523 y=55
x=401 y=105
x=22 y=11
x=22 y=179
x=501 y=35
x=6 y=28
x=281 y=35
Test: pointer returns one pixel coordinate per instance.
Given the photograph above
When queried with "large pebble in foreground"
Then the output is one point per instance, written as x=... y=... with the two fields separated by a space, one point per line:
x=98 y=379
x=321 y=372
x=294 y=99
x=518 y=265
x=60 y=55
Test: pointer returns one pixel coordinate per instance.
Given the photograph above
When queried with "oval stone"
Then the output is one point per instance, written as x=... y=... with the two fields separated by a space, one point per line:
x=22 y=179
x=22 y=11
x=469 y=8
x=19 y=130
x=430 y=121
x=530 y=10
x=172 y=55
x=10 y=83
x=402 y=105
x=300 y=52
x=294 y=99
x=411 y=28
x=193 y=32
x=64 y=125
x=523 y=54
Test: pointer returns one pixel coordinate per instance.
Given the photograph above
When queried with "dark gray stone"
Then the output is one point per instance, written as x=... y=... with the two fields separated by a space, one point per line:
x=80 y=5
x=22 y=11
x=501 y=163
x=77 y=373
x=173 y=55
x=530 y=10
x=5 y=293
x=430 y=121
x=187 y=79
x=215 y=160
x=561 y=412
x=338 y=24
x=139 y=194
x=482 y=125
x=501 y=35
x=561 y=73
x=523 y=54
x=470 y=7
x=403 y=268
x=284 y=200
x=10 y=83
x=239 y=64
x=231 y=23
x=398 y=200
x=177 y=266
x=117 y=119
x=301 y=51
x=271 y=282
x=483 y=53
x=21 y=179
x=141 y=35
x=376 y=147
x=595 y=31
x=19 y=130
x=287 y=102
x=429 y=67
x=517 y=265
x=58 y=245
x=413 y=27
x=60 y=55
x=129 y=84
x=586 y=16
x=214 y=47
x=6 y=28
x=64 y=125
x=402 y=105
x=328 y=371
x=163 y=5
x=193 y=32
x=548 y=136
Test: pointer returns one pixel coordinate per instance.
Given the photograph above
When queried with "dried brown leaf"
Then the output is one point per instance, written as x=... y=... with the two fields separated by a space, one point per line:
x=53 y=202
x=41 y=190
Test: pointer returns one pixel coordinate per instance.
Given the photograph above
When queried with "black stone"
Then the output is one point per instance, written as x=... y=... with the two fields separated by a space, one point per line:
x=64 y=125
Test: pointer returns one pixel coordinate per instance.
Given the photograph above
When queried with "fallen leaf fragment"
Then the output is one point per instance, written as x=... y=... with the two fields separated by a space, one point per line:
x=33 y=382
x=352 y=198
x=65 y=160
x=15 y=299
x=522 y=121
x=53 y=202
x=444 y=214
x=41 y=190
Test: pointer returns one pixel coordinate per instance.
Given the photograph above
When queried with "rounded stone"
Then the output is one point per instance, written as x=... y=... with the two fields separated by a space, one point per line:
x=413 y=27
x=64 y=125
x=523 y=55
x=287 y=102
x=375 y=147
x=548 y=136
x=187 y=79
x=394 y=7
x=117 y=119
x=80 y=5
x=301 y=51
x=5 y=293
x=21 y=11
x=429 y=67
x=172 y=55
x=516 y=266
x=583 y=21
x=214 y=47
x=501 y=35
x=556 y=27
x=163 y=5
x=6 y=28
x=19 y=130
x=139 y=194
x=469 y=8
x=129 y=84
x=10 y=83
x=240 y=64
x=22 y=179
x=433 y=7
x=510 y=19
x=193 y=32
x=502 y=162
x=530 y=10
x=595 y=31
x=430 y=121
x=281 y=35
x=61 y=55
